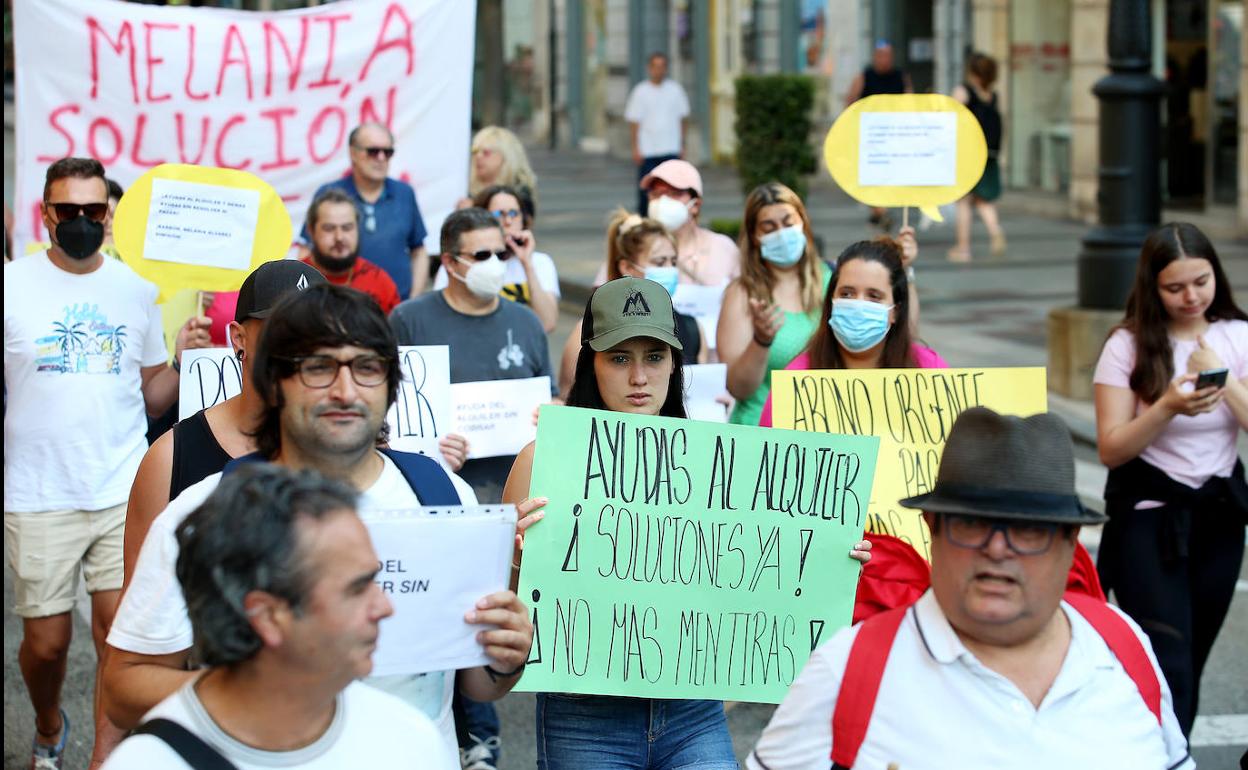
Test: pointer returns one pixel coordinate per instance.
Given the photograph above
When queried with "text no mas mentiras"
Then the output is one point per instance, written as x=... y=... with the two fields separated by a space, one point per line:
x=654 y=466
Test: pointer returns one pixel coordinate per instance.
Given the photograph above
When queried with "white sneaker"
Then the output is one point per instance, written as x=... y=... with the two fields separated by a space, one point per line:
x=480 y=755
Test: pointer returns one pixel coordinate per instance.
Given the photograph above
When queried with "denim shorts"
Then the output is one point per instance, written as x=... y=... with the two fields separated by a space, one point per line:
x=594 y=731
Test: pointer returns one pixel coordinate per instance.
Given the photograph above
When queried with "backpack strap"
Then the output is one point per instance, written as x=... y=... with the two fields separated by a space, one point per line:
x=193 y=750
x=425 y=476
x=868 y=656
x=1125 y=645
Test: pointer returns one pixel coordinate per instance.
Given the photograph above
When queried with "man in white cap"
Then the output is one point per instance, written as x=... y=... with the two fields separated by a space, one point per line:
x=996 y=665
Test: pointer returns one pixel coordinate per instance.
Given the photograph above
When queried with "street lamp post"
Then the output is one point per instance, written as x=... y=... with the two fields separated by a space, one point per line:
x=1129 y=189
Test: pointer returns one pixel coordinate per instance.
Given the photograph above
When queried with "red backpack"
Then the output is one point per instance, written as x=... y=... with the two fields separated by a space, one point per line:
x=896 y=579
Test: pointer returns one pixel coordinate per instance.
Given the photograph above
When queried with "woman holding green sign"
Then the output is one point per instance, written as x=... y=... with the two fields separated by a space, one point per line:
x=628 y=362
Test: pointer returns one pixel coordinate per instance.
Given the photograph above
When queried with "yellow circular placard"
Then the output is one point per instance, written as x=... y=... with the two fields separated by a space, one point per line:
x=271 y=241
x=841 y=151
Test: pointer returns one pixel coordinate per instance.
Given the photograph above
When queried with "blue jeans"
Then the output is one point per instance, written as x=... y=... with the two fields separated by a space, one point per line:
x=584 y=731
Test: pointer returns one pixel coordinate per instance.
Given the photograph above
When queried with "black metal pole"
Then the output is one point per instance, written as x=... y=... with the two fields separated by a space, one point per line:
x=1129 y=189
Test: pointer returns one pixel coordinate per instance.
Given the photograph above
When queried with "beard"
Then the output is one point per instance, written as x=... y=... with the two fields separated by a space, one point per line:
x=335 y=264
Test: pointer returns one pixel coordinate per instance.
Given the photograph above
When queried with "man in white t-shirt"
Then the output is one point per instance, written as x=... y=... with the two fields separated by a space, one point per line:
x=84 y=363
x=317 y=416
x=656 y=111
x=279 y=574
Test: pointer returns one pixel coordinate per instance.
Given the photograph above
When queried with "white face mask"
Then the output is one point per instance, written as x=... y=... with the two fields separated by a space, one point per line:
x=669 y=212
x=484 y=279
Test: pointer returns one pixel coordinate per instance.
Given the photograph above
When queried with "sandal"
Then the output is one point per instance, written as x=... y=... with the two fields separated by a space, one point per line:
x=45 y=757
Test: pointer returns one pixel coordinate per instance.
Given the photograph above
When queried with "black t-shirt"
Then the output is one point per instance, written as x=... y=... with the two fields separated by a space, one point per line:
x=196 y=453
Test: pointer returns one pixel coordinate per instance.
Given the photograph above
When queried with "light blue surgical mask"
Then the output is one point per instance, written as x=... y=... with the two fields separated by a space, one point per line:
x=784 y=247
x=859 y=324
x=667 y=277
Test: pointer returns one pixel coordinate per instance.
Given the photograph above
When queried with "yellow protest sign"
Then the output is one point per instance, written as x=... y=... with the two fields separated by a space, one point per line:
x=174 y=312
x=197 y=227
x=911 y=410
x=921 y=150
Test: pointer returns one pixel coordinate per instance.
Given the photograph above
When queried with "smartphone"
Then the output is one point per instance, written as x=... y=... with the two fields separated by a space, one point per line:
x=1211 y=378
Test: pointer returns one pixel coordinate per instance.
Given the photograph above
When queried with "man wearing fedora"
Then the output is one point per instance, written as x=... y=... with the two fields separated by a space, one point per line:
x=995 y=665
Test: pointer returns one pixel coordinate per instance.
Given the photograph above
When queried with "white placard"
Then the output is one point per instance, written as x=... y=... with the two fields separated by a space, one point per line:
x=201 y=224
x=424 y=570
x=496 y=416
x=907 y=149
x=704 y=383
x=703 y=303
x=275 y=93
x=209 y=376
x=422 y=413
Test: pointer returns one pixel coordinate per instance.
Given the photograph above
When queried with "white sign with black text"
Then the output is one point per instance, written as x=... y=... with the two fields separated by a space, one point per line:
x=496 y=416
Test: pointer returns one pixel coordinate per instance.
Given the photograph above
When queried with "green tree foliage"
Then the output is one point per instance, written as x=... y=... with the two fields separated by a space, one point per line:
x=773 y=130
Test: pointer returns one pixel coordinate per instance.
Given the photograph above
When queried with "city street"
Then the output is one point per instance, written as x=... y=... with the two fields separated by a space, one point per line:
x=988 y=312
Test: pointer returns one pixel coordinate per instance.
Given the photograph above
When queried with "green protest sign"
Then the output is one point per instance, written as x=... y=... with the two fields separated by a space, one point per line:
x=684 y=559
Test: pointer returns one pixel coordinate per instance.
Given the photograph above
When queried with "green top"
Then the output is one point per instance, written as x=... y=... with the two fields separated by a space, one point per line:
x=790 y=341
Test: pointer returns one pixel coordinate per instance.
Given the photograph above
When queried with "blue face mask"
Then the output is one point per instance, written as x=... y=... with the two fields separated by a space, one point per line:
x=667 y=277
x=784 y=247
x=859 y=324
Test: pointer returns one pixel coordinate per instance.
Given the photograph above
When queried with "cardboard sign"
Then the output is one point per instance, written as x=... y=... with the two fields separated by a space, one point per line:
x=921 y=150
x=422 y=558
x=209 y=376
x=273 y=93
x=911 y=411
x=496 y=416
x=682 y=559
x=706 y=385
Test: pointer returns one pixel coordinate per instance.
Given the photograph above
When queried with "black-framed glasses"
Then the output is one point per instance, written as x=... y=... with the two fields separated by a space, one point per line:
x=1026 y=538
x=377 y=152
x=484 y=254
x=506 y=214
x=321 y=371
x=67 y=211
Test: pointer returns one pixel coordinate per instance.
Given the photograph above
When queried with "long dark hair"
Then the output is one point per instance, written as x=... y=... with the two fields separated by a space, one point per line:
x=898 y=353
x=319 y=316
x=1146 y=316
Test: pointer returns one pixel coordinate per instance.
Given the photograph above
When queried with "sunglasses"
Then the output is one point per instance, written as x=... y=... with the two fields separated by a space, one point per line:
x=506 y=214
x=484 y=254
x=68 y=211
x=377 y=152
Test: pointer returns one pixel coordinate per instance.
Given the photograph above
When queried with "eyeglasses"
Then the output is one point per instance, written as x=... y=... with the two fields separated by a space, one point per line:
x=484 y=254
x=377 y=152
x=1025 y=538
x=321 y=371
x=506 y=214
x=67 y=211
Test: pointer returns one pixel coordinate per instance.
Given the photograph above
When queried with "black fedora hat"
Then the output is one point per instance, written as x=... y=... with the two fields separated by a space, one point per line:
x=1008 y=468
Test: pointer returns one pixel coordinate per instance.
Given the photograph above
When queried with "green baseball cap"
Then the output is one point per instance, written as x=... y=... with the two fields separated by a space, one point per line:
x=626 y=308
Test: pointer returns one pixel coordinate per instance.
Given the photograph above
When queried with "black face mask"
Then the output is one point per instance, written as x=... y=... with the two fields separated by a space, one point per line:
x=80 y=237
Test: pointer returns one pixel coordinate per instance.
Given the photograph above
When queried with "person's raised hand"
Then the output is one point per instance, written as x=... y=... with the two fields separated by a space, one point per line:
x=528 y=512
x=861 y=552
x=509 y=643
x=767 y=319
x=1178 y=401
x=1203 y=357
x=454 y=448
x=521 y=245
x=193 y=334
x=909 y=246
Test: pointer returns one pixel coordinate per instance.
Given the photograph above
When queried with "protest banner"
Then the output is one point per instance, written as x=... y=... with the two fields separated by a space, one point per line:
x=422 y=412
x=208 y=377
x=911 y=411
x=421 y=556
x=921 y=150
x=680 y=559
x=274 y=93
x=703 y=303
x=496 y=416
x=706 y=387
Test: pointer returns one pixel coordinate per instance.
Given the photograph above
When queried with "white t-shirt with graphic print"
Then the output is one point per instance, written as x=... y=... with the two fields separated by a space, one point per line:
x=75 y=422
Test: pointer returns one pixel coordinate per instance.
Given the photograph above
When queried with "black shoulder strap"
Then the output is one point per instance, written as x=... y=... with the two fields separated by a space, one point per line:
x=189 y=746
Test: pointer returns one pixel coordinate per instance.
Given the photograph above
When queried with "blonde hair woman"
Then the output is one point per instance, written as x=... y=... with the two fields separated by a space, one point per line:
x=771 y=311
x=498 y=158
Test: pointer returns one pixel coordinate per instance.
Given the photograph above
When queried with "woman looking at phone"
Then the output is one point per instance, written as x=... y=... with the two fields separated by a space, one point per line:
x=1176 y=495
x=627 y=364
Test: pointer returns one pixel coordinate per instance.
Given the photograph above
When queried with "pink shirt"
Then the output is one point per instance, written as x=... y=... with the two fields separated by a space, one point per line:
x=924 y=358
x=1191 y=449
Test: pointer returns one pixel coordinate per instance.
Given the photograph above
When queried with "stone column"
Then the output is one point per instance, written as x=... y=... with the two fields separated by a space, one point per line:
x=1243 y=134
x=1089 y=29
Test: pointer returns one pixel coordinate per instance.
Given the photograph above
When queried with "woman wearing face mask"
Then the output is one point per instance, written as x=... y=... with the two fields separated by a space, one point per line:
x=865 y=322
x=529 y=277
x=1177 y=501
x=770 y=312
x=641 y=248
x=626 y=364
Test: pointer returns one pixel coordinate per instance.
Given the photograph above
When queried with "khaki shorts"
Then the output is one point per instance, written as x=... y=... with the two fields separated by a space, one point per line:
x=45 y=549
